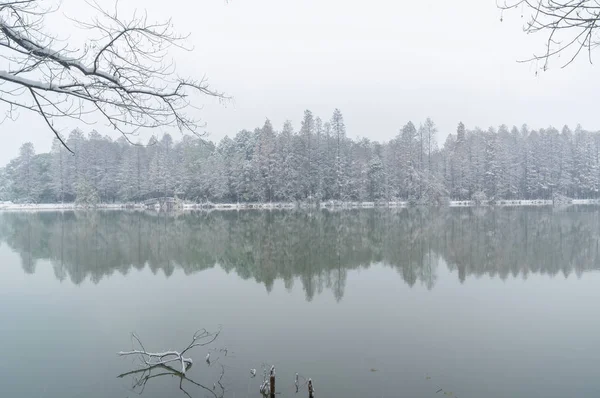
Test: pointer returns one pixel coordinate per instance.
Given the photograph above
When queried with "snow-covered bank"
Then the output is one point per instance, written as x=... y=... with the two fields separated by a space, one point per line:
x=516 y=203
x=289 y=205
x=368 y=205
x=8 y=206
x=585 y=202
x=501 y=203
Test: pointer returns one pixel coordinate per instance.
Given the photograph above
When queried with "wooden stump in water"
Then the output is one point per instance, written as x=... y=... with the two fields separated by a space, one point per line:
x=272 y=382
x=310 y=389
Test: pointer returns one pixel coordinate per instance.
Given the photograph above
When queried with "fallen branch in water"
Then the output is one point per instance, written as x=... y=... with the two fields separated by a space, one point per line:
x=200 y=338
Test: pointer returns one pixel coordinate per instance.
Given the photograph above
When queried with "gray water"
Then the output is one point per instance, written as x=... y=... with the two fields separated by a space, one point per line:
x=370 y=303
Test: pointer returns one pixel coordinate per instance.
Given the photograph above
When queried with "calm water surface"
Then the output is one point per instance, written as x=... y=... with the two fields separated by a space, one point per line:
x=477 y=303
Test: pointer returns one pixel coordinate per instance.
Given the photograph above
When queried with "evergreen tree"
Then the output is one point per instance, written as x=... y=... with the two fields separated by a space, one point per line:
x=59 y=171
x=338 y=129
x=305 y=153
x=460 y=165
x=25 y=184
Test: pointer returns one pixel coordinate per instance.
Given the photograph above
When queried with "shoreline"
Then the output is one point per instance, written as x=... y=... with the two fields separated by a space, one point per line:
x=285 y=205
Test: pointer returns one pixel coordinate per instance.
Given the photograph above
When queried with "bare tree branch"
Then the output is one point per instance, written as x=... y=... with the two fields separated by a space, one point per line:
x=123 y=76
x=201 y=338
x=571 y=25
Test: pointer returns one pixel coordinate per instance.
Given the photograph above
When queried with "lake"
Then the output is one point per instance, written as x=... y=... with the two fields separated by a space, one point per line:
x=368 y=303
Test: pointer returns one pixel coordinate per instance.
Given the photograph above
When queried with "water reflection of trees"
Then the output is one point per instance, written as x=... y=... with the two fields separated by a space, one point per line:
x=315 y=248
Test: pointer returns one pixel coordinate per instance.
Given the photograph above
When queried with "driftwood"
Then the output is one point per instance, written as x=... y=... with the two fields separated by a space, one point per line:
x=158 y=364
x=200 y=338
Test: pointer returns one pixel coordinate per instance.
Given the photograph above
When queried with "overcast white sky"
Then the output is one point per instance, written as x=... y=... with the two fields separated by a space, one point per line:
x=381 y=62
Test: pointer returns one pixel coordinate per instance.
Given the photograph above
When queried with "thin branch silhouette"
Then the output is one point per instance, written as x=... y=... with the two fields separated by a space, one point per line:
x=571 y=27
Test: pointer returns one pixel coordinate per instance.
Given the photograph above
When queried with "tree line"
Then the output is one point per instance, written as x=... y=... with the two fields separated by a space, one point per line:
x=319 y=162
x=315 y=249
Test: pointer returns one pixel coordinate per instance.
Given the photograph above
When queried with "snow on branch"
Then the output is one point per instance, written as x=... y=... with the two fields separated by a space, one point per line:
x=121 y=76
x=571 y=25
x=200 y=338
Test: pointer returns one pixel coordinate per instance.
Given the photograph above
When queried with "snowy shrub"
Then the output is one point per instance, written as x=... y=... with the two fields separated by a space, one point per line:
x=87 y=195
x=479 y=197
x=559 y=199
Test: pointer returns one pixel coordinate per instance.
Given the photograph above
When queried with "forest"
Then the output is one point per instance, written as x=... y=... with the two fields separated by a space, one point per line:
x=316 y=249
x=319 y=162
